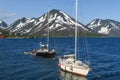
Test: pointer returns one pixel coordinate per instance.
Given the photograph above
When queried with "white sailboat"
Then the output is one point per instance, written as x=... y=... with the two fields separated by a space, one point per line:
x=69 y=63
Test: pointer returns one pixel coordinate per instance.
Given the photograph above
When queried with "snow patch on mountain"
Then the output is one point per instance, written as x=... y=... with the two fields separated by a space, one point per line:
x=108 y=27
x=28 y=30
x=115 y=26
x=66 y=16
x=0 y=22
x=20 y=25
x=104 y=30
x=42 y=19
x=62 y=29
x=57 y=25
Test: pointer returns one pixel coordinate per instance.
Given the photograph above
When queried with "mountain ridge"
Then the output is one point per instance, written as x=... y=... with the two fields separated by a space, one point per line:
x=60 y=23
x=3 y=25
x=56 y=21
x=105 y=26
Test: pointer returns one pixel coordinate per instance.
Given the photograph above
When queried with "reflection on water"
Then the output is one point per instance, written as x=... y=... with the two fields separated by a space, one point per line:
x=68 y=76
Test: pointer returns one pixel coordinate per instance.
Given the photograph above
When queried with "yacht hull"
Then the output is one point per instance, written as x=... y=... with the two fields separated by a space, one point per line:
x=46 y=54
x=74 y=70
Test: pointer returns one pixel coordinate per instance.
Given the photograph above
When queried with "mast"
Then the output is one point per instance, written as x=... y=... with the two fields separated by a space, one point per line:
x=76 y=30
x=48 y=31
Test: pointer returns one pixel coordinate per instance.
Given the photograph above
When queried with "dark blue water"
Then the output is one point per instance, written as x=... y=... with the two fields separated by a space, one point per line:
x=104 y=57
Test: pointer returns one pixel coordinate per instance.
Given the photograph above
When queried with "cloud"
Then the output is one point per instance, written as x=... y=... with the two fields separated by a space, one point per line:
x=5 y=14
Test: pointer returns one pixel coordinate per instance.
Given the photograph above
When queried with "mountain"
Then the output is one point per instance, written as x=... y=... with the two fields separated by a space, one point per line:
x=107 y=27
x=3 y=25
x=22 y=26
x=58 y=22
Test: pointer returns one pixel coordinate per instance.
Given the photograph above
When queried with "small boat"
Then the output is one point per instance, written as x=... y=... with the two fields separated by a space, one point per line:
x=44 y=51
x=26 y=52
x=70 y=63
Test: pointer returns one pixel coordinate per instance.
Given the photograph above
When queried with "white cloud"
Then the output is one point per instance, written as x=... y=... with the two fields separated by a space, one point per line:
x=5 y=14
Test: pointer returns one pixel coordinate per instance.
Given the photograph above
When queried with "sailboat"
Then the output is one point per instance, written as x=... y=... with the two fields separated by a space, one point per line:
x=69 y=63
x=44 y=48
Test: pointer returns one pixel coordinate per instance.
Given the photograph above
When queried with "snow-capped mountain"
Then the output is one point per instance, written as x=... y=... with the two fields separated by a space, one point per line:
x=3 y=25
x=107 y=27
x=58 y=22
x=22 y=25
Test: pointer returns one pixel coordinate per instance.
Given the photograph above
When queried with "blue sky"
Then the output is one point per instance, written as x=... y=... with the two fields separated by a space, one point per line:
x=11 y=10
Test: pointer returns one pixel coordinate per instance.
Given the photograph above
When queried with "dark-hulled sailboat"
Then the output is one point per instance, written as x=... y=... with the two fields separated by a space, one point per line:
x=44 y=49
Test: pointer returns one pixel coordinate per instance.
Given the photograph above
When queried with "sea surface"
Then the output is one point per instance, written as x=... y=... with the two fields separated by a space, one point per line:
x=103 y=55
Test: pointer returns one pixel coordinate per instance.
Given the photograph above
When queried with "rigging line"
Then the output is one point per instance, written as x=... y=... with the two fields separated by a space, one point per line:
x=85 y=43
x=87 y=49
x=78 y=46
x=48 y=29
x=80 y=32
x=96 y=74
